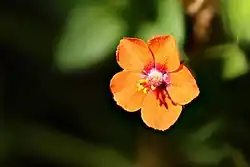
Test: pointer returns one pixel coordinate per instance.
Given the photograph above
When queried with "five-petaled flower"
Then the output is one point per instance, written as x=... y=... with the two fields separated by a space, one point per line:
x=153 y=80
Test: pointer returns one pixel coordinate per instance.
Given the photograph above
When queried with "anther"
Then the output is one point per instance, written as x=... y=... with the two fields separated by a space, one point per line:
x=140 y=87
x=153 y=87
x=145 y=90
x=142 y=81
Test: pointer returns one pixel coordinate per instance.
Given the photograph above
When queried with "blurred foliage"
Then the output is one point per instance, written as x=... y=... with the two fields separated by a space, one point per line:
x=235 y=15
x=57 y=61
x=201 y=142
x=167 y=11
x=74 y=151
x=76 y=48
x=234 y=60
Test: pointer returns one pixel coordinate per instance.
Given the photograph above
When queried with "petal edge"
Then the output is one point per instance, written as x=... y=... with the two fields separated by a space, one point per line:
x=133 y=54
x=158 y=117
x=165 y=51
x=123 y=85
x=183 y=88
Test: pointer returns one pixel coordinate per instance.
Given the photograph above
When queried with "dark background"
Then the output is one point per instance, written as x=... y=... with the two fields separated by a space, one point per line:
x=57 y=59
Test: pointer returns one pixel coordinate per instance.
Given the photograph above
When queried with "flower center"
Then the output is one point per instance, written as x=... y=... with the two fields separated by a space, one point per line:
x=152 y=80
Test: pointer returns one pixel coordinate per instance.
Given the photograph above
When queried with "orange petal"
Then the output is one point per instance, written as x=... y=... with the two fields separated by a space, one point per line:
x=159 y=117
x=183 y=88
x=165 y=51
x=123 y=85
x=133 y=54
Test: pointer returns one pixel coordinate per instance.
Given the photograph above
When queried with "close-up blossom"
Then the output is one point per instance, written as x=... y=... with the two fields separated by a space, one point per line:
x=127 y=83
x=153 y=80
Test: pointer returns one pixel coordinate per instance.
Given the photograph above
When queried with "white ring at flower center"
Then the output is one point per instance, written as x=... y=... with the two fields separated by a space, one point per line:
x=155 y=75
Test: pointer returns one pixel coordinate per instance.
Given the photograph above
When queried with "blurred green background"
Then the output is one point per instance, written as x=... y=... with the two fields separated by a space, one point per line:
x=57 y=59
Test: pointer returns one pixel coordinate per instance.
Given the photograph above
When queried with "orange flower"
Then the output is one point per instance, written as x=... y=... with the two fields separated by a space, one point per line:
x=153 y=80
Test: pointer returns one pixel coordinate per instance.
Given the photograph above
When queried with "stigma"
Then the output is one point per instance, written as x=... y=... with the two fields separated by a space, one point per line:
x=153 y=80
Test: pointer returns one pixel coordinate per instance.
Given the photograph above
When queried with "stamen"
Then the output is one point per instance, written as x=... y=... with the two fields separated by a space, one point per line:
x=140 y=87
x=142 y=80
x=153 y=87
x=152 y=80
x=145 y=90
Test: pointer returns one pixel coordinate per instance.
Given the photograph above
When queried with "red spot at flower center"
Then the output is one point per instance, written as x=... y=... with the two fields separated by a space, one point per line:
x=155 y=78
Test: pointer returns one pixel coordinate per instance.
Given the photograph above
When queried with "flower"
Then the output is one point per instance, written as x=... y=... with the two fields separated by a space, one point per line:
x=153 y=80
